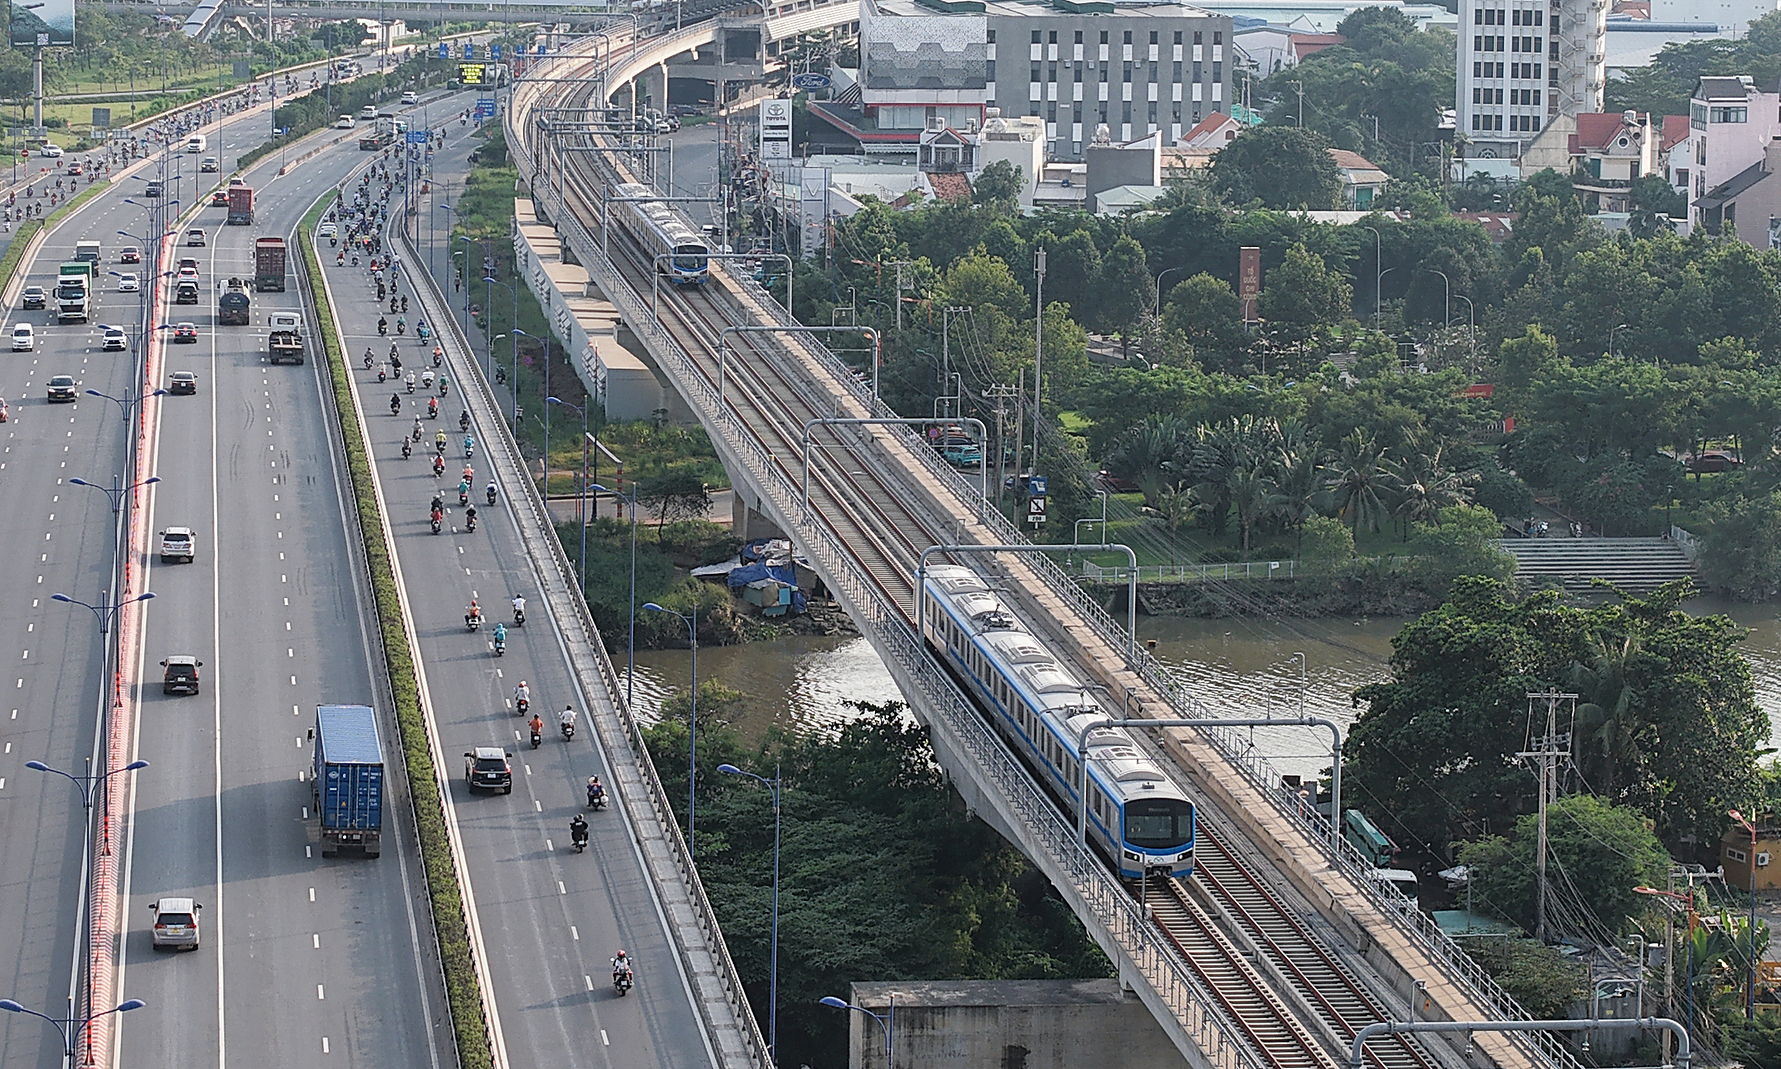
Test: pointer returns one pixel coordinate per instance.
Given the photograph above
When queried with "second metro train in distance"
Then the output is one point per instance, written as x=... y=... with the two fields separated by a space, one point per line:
x=1137 y=816
x=680 y=252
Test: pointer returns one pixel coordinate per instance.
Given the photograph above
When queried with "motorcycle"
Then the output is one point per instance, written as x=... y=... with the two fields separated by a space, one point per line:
x=621 y=981
x=491 y=495
x=395 y=406
x=473 y=621
x=524 y=704
x=596 y=798
x=469 y=449
x=383 y=326
x=464 y=422
x=368 y=360
x=383 y=373
x=417 y=429
x=438 y=466
x=438 y=520
x=401 y=327
x=407 y=449
x=432 y=408
x=463 y=497
x=410 y=382
x=537 y=738
x=470 y=524
x=578 y=833
x=438 y=358
x=519 y=617
x=500 y=647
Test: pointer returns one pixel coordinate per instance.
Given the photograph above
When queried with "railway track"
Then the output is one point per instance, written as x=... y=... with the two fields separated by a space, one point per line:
x=861 y=494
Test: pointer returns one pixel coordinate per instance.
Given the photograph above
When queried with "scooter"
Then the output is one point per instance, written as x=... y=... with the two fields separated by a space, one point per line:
x=500 y=647
x=537 y=738
x=519 y=617
x=472 y=622
x=383 y=373
x=491 y=495
x=463 y=497
x=596 y=798
x=524 y=704
x=621 y=982
x=407 y=449
x=470 y=524
x=438 y=521
x=568 y=727
x=579 y=835
x=438 y=466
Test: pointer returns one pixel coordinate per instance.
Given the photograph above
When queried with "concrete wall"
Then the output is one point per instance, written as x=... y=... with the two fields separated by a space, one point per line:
x=584 y=323
x=1014 y=1024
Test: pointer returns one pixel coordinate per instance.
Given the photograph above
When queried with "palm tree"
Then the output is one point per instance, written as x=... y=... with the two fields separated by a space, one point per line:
x=1608 y=714
x=1424 y=486
x=1145 y=454
x=1301 y=479
x=1250 y=486
x=1361 y=477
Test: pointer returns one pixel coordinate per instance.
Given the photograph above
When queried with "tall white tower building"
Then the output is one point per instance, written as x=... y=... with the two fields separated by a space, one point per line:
x=1524 y=64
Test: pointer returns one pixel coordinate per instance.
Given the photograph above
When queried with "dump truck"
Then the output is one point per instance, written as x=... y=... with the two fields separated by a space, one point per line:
x=380 y=134
x=74 y=291
x=241 y=206
x=233 y=303
x=284 y=338
x=269 y=263
x=347 y=782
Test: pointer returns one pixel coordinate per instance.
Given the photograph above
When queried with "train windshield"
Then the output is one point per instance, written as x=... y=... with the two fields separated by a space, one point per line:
x=1159 y=824
x=690 y=257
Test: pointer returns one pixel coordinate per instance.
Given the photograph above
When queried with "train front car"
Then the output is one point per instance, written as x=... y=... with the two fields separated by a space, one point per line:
x=692 y=257
x=1137 y=817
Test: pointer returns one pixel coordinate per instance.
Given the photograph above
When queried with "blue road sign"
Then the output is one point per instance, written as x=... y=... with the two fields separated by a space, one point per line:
x=418 y=137
x=469 y=50
x=485 y=108
x=542 y=49
x=495 y=51
x=444 y=50
x=1036 y=485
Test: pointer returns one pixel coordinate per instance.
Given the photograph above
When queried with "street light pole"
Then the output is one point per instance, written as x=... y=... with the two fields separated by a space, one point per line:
x=62 y=1023
x=512 y=322
x=631 y=639
x=1378 y=269
x=580 y=483
x=114 y=491
x=887 y=1022
x=692 y=761
x=773 y=953
x=1446 y=296
x=1750 y=992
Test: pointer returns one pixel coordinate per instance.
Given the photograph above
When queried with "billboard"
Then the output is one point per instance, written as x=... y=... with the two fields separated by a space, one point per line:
x=43 y=24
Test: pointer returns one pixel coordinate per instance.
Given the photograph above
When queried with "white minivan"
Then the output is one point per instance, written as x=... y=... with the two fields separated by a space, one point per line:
x=23 y=340
x=196 y=144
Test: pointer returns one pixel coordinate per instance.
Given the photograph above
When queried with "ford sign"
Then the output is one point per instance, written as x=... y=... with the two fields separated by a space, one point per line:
x=810 y=80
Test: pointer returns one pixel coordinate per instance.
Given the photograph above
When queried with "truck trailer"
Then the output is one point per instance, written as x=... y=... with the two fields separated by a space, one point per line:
x=269 y=264
x=241 y=206
x=284 y=338
x=347 y=784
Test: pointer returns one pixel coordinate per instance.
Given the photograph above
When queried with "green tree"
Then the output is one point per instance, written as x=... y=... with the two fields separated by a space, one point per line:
x=1278 y=166
x=1741 y=548
x=1436 y=744
x=1596 y=854
x=999 y=186
x=1303 y=294
x=1125 y=285
x=1361 y=482
x=1208 y=314
x=1544 y=982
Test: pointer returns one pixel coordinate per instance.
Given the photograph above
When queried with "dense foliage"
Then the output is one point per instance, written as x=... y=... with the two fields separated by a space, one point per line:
x=883 y=875
x=1667 y=724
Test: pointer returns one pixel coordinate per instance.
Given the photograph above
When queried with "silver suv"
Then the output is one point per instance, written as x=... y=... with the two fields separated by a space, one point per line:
x=176 y=923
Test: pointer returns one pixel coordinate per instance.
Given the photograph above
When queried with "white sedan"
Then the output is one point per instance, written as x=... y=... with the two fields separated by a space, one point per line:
x=127 y=282
x=326 y=230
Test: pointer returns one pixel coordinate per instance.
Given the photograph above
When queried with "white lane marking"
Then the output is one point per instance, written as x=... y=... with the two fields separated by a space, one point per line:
x=316 y=940
x=318 y=992
x=312 y=894
x=574 y=933
x=604 y=1039
x=588 y=980
x=561 y=889
x=324 y=1044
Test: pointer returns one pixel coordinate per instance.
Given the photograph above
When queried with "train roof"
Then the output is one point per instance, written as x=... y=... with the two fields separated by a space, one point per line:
x=986 y=611
x=955 y=578
x=1018 y=647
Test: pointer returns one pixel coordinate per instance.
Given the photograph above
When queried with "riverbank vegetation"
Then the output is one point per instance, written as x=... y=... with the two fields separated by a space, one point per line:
x=883 y=873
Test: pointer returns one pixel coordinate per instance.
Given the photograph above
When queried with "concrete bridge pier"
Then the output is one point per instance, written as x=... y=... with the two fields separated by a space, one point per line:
x=747 y=519
x=650 y=88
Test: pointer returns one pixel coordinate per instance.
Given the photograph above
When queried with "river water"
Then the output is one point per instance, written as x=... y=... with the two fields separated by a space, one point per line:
x=1238 y=667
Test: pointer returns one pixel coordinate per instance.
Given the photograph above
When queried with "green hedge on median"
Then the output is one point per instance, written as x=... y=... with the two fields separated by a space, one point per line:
x=450 y=928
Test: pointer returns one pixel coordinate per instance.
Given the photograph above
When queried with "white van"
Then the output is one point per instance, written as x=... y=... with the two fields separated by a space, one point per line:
x=196 y=144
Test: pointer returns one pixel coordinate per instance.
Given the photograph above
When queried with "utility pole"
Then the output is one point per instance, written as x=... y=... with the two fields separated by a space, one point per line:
x=1038 y=346
x=1000 y=393
x=946 y=315
x=1301 y=88
x=898 y=296
x=1547 y=755
x=1020 y=401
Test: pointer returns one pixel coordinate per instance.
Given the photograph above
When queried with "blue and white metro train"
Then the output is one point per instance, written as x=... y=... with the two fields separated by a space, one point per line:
x=1137 y=816
x=679 y=251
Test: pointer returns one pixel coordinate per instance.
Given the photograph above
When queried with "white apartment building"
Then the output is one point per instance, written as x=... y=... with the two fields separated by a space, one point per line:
x=1524 y=63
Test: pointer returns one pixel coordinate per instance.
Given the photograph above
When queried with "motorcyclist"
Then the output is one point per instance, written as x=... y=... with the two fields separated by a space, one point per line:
x=464 y=421
x=409 y=382
x=500 y=634
x=438 y=500
x=432 y=408
x=537 y=724
x=438 y=465
x=621 y=967
x=438 y=517
x=383 y=325
x=407 y=448
x=519 y=607
x=469 y=445
x=595 y=791
x=522 y=696
x=427 y=380
x=566 y=719
x=370 y=358
x=416 y=430
x=395 y=403
x=474 y=615
x=578 y=829
x=491 y=492
x=439 y=443
x=470 y=517
x=401 y=325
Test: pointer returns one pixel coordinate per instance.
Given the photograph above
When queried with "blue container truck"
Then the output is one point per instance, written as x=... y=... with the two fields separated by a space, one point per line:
x=348 y=783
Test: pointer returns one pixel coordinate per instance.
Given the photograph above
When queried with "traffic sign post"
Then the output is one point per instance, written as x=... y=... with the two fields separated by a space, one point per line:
x=1035 y=510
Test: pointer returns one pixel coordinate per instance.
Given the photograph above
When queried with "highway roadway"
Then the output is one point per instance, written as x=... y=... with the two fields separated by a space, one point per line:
x=299 y=954
x=551 y=919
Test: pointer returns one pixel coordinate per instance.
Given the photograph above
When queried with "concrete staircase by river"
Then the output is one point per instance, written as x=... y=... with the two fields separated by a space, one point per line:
x=1631 y=563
